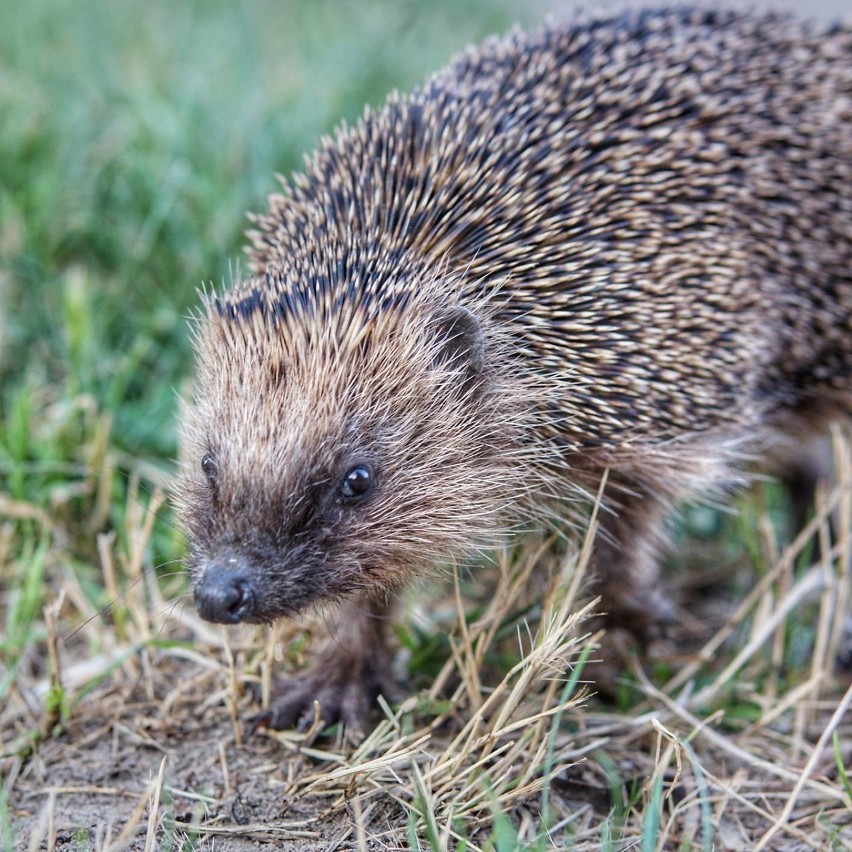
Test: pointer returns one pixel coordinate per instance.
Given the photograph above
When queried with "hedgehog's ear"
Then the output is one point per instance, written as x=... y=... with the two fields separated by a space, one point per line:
x=461 y=343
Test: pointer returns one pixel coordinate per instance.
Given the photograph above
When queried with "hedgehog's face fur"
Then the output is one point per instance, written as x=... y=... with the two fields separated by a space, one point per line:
x=332 y=453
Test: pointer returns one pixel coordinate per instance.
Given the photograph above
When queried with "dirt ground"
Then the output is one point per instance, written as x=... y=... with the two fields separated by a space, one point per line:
x=151 y=757
x=166 y=710
x=90 y=780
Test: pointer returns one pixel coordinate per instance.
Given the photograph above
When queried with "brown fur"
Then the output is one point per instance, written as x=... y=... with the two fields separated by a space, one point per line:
x=624 y=245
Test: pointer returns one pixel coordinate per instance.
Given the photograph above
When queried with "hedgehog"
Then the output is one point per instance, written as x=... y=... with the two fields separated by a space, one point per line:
x=620 y=246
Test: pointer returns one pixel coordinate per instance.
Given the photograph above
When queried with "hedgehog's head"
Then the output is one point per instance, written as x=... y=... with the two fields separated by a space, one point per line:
x=339 y=440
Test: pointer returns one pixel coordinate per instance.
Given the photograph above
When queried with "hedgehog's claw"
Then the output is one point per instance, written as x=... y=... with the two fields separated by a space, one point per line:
x=344 y=693
x=352 y=671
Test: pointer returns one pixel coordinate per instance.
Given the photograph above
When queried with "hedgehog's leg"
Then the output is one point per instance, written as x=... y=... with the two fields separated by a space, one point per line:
x=802 y=471
x=346 y=678
x=626 y=566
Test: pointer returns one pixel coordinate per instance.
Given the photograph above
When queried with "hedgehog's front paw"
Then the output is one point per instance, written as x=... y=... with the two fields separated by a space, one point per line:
x=345 y=689
x=347 y=677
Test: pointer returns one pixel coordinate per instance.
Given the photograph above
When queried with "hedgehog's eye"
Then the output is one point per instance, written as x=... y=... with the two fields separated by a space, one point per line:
x=357 y=482
x=209 y=468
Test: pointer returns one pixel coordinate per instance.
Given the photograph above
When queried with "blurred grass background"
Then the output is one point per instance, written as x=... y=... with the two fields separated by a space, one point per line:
x=133 y=137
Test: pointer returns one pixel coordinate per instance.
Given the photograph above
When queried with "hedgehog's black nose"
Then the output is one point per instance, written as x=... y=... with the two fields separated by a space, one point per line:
x=224 y=592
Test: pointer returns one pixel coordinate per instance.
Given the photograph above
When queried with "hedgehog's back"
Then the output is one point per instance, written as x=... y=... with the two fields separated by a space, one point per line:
x=662 y=196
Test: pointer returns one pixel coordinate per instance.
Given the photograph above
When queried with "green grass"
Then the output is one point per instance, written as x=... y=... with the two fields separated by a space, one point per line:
x=133 y=139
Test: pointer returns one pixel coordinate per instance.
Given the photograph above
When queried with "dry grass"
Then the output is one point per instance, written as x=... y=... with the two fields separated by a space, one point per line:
x=132 y=738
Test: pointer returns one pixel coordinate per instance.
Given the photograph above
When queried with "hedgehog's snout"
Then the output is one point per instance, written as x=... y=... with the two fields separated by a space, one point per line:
x=225 y=592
